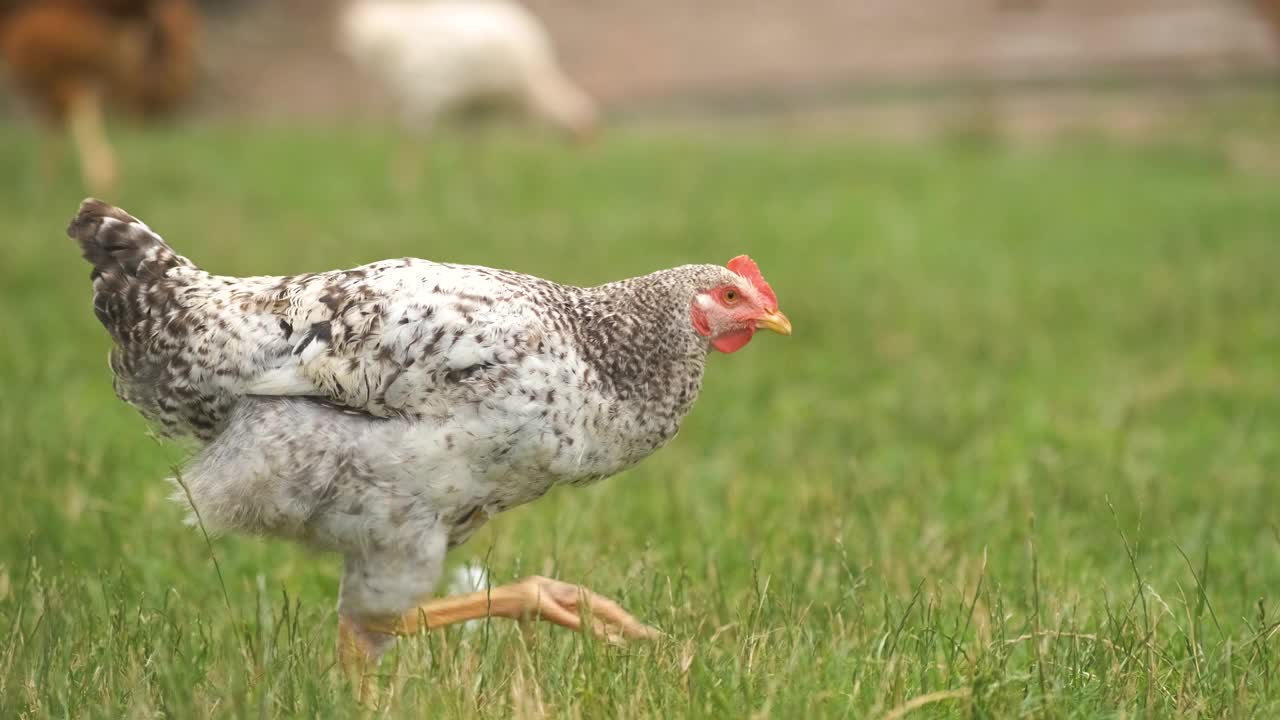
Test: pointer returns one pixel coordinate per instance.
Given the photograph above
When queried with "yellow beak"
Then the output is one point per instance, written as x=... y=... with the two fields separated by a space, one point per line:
x=774 y=320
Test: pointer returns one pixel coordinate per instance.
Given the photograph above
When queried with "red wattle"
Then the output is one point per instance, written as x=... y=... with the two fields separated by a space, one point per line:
x=733 y=341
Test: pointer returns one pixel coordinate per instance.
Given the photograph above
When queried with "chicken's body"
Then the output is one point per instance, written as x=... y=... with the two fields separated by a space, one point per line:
x=388 y=411
x=475 y=392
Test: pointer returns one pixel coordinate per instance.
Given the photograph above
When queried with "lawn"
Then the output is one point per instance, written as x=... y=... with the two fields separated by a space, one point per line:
x=1019 y=457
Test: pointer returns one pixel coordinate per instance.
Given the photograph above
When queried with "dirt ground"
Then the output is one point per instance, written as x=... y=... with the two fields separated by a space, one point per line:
x=897 y=65
x=276 y=58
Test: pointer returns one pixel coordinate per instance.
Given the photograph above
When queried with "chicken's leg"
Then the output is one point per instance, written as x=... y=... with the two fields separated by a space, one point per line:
x=407 y=164
x=51 y=155
x=97 y=159
x=534 y=598
x=358 y=650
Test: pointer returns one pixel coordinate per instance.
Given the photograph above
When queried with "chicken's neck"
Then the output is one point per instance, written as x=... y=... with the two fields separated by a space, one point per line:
x=640 y=347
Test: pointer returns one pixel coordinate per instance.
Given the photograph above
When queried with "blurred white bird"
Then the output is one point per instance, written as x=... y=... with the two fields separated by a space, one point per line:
x=440 y=56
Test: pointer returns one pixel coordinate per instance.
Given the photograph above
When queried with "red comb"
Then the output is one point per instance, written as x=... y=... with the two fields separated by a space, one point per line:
x=747 y=268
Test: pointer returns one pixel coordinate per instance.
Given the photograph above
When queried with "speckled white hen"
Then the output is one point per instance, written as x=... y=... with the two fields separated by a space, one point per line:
x=387 y=411
x=438 y=56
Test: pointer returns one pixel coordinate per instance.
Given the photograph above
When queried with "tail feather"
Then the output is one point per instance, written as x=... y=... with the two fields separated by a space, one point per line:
x=152 y=302
x=117 y=243
x=131 y=264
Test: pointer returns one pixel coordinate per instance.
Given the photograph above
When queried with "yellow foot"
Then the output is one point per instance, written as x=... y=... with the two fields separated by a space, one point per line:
x=361 y=641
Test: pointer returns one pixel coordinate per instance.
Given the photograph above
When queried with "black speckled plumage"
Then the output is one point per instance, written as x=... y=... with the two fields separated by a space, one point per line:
x=385 y=412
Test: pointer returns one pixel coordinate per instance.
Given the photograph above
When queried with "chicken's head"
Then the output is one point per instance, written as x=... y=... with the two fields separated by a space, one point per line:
x=731 y=313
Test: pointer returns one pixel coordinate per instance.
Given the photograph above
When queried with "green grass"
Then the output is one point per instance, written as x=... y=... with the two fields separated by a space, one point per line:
x=1021 y=450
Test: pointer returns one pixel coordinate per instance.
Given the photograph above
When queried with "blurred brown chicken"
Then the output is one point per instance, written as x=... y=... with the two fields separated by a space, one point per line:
x=70 y=58
x=1270 y=10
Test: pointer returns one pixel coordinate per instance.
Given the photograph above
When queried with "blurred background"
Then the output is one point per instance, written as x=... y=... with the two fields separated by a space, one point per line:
x=641 y=59
x=880 y=66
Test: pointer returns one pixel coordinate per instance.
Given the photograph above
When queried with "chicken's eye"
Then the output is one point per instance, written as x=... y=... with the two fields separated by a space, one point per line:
x=730 y=296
